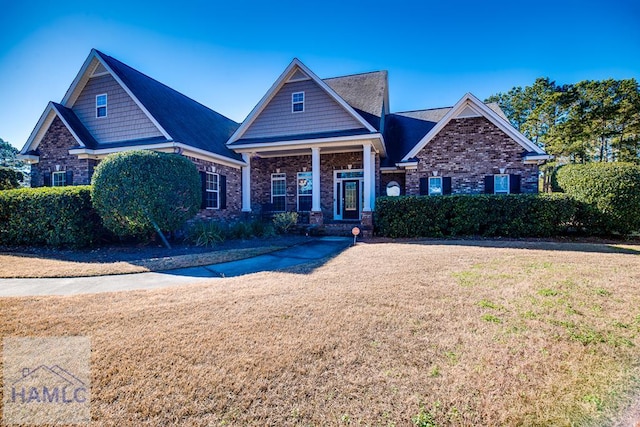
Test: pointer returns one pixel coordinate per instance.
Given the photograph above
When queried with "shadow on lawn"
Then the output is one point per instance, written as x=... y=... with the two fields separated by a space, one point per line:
x=592 y=247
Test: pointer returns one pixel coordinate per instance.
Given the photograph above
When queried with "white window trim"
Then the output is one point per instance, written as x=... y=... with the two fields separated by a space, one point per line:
x=508 y=183
x=216 y=192
x=106 y=103
x=64 y=178
x=441 y=186
x=298 y=102
x=279 y=177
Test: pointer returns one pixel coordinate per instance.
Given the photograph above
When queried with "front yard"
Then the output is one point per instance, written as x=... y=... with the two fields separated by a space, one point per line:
x=458 y=334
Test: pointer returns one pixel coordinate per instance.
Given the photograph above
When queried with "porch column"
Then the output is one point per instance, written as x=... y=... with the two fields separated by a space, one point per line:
x=315 y=179
x=246 y=183
x=366 y=160
x=373 y=181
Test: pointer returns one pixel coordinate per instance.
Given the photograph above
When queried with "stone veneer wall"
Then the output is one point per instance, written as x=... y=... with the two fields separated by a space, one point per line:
x=262 y=168
x=467 y=150
x=234 y=190
x=54 y=150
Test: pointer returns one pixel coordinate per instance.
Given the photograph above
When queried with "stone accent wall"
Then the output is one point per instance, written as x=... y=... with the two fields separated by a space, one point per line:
x=467 y=150
x=54 y=150
x=234 y=190
x=262 y=168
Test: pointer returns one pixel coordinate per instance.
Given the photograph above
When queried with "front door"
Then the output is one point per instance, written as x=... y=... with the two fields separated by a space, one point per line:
x=351 y=199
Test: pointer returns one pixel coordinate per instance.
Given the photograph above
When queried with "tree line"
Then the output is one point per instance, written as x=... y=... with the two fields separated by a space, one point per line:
x=589 y=121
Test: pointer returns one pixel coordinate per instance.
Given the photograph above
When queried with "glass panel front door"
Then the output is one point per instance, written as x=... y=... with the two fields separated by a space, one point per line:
x=351 y=199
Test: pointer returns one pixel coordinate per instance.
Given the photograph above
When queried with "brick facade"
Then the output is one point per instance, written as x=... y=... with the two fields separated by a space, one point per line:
x=467 y=150
x=54 y=156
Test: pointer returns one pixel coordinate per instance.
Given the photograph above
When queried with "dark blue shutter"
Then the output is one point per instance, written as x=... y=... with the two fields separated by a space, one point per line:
x=203 y=184
x=46 y=179
x=488 y=184
x=424 y=186
x=222 y=186
x=514 y=184
x=446 y=185
x=68 y=178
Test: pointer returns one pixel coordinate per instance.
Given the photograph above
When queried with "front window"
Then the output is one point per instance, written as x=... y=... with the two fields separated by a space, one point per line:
x=58 y=179
x=305 y=188
x=101 y=105
x=213 y=190
x=501 y=184
x=278 y=191
x=297 y=102
x=435 y=186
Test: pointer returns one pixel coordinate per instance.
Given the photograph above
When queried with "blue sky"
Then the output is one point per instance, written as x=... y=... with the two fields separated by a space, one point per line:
x=227 y=55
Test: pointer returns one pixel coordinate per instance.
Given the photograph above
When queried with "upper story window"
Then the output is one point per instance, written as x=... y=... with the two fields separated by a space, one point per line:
x=501 y=184
x=297 y=102
x=101 y=105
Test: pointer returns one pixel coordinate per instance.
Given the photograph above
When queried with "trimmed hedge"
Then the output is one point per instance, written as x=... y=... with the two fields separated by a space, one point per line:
x=515 y=215
x=55 y=216
x=612 y=191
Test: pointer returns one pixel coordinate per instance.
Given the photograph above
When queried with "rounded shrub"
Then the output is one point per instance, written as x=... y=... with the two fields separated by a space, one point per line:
x=138 y=192
x=10 y=178
x=611 y=190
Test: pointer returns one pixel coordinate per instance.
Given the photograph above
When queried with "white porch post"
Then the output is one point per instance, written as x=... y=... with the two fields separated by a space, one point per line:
x=366 y=159
x=315 y=179
x=373 y=181
x=246 y=183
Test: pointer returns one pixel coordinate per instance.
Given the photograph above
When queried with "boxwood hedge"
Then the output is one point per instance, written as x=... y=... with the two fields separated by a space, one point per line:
x=55 y=216
x=516 y=215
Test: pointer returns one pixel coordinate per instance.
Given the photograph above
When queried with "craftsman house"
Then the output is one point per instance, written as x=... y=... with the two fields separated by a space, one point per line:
x=323 y=147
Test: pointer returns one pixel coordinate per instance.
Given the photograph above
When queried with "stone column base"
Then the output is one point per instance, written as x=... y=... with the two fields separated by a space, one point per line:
x=316 y=218
x=367 y=224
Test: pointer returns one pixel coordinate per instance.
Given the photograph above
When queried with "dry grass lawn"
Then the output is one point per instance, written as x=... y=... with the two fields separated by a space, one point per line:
x=22 y=265
x=379 y=335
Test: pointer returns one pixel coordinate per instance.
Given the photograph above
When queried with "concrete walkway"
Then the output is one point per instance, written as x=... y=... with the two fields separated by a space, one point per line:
x=313 y=250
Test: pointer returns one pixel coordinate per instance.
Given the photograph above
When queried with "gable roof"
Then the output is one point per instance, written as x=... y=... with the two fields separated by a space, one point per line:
x=467 y=106
x=293 y=70
x=367 y=93
x=179 y=118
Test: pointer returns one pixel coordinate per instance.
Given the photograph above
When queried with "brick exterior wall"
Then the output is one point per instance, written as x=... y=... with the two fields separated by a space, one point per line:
x=262 y=168
x=54 y=150
x=234 y=190
x=467 y=150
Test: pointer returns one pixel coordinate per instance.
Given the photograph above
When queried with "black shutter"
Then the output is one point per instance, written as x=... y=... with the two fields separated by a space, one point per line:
x=68 y=178
x=223 y=191
x=203 y=184
x=488 y=184
x=424 y=186
x=514 y=184
x=446 y=185
x=47 y=179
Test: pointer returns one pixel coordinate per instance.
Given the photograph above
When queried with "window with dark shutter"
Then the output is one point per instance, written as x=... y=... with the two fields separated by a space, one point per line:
x=223 y=191
x=47 y=179
x=203 y=188
x=488 y=184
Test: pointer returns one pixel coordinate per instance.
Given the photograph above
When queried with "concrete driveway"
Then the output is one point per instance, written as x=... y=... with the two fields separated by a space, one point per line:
x=311 y=251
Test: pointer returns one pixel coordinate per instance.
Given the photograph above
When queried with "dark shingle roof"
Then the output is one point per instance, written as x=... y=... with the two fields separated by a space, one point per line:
x=186 y=120
x=364 y=92
x=76 y=125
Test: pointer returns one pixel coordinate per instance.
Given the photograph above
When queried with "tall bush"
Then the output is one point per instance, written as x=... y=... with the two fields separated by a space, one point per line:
x=55 y=216
x=611 y=190
x=10 y=178
x=139 y=192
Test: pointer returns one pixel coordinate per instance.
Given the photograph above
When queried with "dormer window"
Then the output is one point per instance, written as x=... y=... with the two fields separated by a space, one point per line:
x=297 y=102
x=101 y=105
